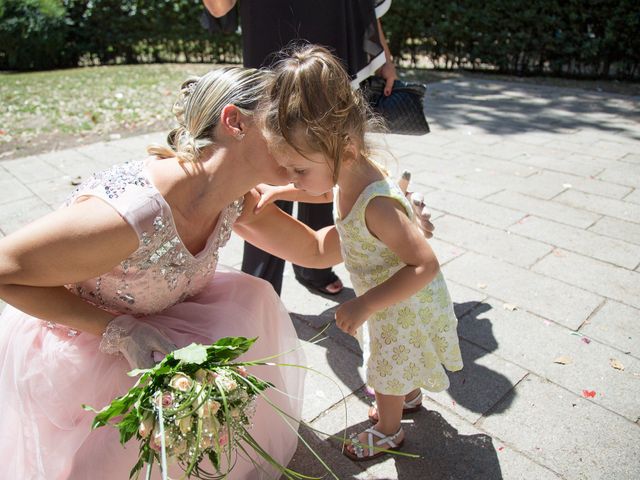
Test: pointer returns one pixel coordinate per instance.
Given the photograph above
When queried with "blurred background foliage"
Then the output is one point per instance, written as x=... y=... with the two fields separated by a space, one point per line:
x=573 y=38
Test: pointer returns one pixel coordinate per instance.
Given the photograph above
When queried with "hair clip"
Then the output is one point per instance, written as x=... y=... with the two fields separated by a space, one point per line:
x=191 y=87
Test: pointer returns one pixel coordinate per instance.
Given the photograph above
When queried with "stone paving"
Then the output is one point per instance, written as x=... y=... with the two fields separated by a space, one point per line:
x=535 y=192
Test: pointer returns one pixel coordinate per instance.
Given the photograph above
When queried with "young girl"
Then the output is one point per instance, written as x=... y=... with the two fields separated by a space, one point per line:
x=315 y=125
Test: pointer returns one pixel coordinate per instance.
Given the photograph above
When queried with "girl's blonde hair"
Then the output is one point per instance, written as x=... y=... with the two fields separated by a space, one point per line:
x=200 y=103
x=309 y=105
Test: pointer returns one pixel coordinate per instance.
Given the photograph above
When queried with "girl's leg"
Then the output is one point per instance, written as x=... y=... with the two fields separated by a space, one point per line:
x=373 y=411
x=389 y=413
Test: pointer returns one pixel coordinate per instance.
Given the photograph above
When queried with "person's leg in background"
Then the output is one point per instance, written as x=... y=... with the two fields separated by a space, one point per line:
x=317 y=216
x=263 y=265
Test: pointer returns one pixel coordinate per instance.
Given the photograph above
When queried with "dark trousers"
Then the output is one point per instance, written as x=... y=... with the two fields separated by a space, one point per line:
x=261 y=264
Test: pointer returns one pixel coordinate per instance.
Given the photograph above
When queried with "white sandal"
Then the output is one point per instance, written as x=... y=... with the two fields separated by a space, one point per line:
x=410 y=406
x=383 y=445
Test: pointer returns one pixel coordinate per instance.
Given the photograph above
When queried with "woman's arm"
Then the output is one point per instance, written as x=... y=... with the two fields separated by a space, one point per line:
x=273 y=231
x=69 y=245
x=388 y=69
x=219 y=8
x=388 y=221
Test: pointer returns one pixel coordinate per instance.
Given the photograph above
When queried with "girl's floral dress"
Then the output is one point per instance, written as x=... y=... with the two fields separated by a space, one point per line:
x=411 y=341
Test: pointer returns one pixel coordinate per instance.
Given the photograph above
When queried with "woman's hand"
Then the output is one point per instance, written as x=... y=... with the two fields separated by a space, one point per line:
x=136 y=340
x=351 y=315
x=422 y=213
x=388 y=72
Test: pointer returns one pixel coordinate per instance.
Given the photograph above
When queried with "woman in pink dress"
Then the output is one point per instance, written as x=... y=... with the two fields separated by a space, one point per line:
x=127 y=270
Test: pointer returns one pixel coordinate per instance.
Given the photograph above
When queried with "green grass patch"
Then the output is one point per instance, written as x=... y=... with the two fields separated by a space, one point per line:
x=45 y=108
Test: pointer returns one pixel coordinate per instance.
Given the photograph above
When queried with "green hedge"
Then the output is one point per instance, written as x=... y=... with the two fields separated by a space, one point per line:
x=32 y=33
x=43 y=34
x=593 y=38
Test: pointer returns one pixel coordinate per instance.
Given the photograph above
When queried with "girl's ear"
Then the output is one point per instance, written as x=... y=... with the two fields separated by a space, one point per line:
x=233 y=122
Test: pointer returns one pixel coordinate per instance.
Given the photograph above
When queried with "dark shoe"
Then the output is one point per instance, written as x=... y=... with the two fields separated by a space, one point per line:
x=331 y=287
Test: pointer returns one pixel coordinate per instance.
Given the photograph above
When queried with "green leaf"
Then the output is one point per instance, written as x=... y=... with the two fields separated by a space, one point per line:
x=194 y=353
x=228 y=348
x=215 y=460
x=128 y=426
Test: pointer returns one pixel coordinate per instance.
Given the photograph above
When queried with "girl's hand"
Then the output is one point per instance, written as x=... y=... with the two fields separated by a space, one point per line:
x=351 y=315
x=268 y=195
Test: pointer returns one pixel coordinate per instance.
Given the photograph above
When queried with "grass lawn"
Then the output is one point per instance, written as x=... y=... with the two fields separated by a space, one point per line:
x=55 y=109
x=45 y=111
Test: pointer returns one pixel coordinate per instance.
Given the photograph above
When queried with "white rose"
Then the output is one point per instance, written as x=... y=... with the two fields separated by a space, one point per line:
x=181 y=382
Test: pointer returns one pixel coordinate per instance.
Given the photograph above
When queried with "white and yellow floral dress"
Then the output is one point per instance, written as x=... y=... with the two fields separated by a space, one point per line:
x=411 y=341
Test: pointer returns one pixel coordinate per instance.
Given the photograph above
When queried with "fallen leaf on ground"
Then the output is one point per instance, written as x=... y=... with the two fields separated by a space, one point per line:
x=585 y=340
x=617 y=364
x=563 y=360
x=510 y=306
x=588 y=393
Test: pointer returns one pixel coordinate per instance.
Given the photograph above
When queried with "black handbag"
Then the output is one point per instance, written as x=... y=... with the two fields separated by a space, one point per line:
x=403 y=110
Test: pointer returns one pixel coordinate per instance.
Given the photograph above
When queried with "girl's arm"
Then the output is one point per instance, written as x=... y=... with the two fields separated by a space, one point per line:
x=388 y=221
x=219 y=8
x=280 y=234
x=272 y=193
x=69 y=245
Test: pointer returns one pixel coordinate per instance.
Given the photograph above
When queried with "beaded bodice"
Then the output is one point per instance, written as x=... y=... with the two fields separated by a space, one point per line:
x=161 y=272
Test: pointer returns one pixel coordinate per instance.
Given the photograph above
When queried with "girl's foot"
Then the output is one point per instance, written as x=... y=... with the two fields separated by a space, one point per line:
x=360 y=448
x=412 y=403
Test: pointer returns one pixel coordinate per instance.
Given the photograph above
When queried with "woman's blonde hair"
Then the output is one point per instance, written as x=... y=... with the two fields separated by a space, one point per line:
x=309 y=104
x=200 y=103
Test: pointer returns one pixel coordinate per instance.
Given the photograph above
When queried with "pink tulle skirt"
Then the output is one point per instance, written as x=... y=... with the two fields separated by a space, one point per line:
x=46 y=376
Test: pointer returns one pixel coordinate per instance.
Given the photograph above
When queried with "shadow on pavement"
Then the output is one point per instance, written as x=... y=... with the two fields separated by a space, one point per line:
x=476 y=387
x=504 y=108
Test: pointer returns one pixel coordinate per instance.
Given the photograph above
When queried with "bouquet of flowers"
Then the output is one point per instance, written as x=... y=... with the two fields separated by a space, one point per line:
x=195 y=403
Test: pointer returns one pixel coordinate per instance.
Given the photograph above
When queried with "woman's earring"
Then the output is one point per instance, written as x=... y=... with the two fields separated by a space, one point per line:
x=239 y=136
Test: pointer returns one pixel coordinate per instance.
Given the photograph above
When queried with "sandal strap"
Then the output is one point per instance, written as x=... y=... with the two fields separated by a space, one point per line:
x=384 y=439
x=414 y=402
